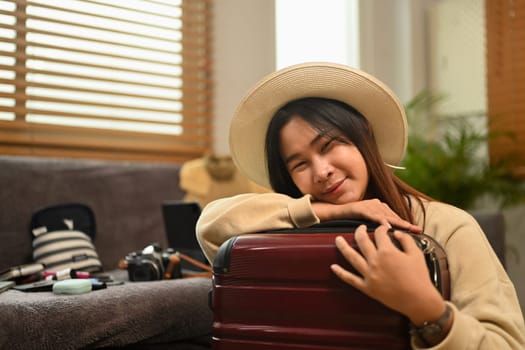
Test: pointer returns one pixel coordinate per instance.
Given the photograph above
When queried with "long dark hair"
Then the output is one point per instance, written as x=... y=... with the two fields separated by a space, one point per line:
x=331 y=117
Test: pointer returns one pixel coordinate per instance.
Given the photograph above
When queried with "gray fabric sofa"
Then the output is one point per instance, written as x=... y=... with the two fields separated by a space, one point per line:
x=126 y=200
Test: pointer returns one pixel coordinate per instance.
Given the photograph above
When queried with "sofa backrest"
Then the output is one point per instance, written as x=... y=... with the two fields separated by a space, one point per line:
x=126 y=199
x=493 y=224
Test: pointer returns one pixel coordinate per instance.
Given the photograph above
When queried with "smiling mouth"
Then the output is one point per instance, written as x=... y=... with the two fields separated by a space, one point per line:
x=333 y=188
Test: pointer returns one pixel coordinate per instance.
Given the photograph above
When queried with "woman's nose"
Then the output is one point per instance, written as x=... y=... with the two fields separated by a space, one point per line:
x=322 y=170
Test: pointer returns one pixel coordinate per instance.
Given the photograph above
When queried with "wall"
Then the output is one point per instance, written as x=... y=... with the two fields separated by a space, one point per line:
x=457 y=62
x=393 y=44
x=244 y=41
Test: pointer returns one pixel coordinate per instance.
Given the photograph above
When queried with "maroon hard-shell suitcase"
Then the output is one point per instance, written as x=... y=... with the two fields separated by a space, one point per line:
x=276 y=291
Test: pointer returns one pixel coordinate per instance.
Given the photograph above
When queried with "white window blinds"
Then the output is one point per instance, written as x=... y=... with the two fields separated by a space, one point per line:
x=106 y=79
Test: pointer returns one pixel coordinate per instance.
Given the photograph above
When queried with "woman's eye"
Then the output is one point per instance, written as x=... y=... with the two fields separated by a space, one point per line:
x=297 y=166
x=326 y=146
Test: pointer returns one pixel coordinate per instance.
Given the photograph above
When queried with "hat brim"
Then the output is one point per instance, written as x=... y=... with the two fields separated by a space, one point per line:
x=372 y=98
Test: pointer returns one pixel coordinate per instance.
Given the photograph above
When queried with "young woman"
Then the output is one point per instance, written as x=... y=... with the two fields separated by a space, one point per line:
x=325 y=138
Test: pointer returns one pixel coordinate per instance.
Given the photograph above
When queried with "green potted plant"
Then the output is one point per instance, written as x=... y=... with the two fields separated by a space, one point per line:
x=445 y=160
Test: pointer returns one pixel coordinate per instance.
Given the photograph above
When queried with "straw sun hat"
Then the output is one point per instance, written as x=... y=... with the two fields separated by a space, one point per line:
x=368 y=95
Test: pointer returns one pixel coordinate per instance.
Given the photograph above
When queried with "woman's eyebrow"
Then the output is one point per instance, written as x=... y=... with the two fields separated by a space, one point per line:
x=291 y=158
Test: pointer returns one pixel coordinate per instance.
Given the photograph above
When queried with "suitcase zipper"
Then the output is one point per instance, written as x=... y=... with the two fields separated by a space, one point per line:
x=432 y=263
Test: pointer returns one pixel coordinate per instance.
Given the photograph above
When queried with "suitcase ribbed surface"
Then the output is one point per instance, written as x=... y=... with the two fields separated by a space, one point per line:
x=276 y=291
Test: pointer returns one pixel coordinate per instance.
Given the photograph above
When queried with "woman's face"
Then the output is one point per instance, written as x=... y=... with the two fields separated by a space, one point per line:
x=330 y=170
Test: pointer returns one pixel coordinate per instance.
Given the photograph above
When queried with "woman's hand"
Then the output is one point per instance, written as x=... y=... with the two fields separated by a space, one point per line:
x=397 y=278
x=370 y=209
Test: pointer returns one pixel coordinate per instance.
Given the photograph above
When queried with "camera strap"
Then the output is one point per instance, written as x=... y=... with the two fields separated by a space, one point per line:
x=175 y=259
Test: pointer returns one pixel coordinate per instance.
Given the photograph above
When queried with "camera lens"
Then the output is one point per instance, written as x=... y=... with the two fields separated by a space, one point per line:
x=144 y=270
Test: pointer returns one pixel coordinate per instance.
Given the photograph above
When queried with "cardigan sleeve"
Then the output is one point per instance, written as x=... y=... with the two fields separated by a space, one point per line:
x=486 y=310
x=247 y=213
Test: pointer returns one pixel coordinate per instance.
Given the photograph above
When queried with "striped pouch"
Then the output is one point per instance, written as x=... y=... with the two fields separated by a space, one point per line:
x=62 y=249
x=63 y=237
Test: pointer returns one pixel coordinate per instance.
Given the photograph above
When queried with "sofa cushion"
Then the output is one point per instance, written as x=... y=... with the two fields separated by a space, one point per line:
x=156 y=312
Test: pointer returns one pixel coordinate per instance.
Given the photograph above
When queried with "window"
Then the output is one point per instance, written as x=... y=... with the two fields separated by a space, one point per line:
x=106 y=79
x=321 y=31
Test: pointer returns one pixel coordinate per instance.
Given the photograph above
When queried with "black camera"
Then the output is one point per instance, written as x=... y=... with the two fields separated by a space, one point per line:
x=151 y=263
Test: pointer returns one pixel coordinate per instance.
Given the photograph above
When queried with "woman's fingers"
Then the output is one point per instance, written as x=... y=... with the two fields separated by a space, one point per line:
x=369 y=209
x=392 y=276
x=375 y=210
x=382 y=238
x=407 y=243
x=403 y=224
x=351 y=255
x=366 y=245
x=389 y=218
x=348 y=277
